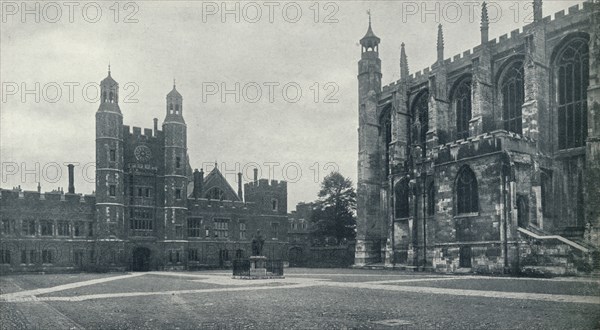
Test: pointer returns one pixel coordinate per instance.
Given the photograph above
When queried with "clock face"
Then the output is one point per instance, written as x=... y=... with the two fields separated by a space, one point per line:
x=142 y=153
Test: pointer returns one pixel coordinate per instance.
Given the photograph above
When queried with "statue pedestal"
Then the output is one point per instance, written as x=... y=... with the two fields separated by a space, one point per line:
x=257 y=266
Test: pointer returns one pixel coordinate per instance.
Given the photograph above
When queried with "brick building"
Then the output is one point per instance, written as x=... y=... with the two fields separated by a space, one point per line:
x=149 y=210
x=488 y=161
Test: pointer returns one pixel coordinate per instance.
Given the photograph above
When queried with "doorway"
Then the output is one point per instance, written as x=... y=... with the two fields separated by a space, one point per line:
x=141 y=259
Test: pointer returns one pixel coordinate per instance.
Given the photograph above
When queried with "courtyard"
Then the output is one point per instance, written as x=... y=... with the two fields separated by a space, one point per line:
x=305 y=299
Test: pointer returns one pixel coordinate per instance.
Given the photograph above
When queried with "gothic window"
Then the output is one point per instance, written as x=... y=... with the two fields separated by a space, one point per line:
x=421 y=118
x=47 y=228
x=431 y=199
x=214 y=193
x=462 y=103
x=110 y=97
x=512 y=92
x=573 y=79
x=401 y=194
x=242 y=230
x=28 y=228
x=467 y=197
x=523 y=211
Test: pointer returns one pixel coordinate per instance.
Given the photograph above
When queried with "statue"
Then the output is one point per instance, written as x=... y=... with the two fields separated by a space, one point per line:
x=257 y=243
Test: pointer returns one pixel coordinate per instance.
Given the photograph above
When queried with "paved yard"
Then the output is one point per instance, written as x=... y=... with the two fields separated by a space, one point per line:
x=305 y=299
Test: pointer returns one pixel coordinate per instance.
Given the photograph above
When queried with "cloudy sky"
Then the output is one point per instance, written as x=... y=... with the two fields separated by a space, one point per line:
x=295 y=65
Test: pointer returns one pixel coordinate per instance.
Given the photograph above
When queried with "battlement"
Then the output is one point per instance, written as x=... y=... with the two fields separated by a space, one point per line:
x=264 y=183
x=505 y=42
x=136 y=132
x=16 y=195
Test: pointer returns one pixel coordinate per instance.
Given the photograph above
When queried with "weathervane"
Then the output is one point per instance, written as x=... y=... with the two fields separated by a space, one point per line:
x=369 y=13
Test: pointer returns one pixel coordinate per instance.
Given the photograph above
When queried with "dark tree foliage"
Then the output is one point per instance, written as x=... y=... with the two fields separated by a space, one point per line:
x=333 y=215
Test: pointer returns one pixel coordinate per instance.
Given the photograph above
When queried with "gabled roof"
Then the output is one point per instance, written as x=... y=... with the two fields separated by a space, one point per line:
x=216 y=179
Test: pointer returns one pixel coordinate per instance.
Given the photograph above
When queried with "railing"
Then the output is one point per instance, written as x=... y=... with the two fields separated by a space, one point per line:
x=275 y=267
x=241 y=267
x=560 y=238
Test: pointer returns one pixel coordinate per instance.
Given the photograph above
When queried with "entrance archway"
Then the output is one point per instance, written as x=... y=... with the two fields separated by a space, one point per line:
x=141 y=259
x=296 y=257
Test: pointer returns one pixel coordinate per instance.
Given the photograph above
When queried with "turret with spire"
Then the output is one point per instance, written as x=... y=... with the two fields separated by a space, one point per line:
x=369 y=224
x=485 y=24
x=440 y=44
x=404 y=72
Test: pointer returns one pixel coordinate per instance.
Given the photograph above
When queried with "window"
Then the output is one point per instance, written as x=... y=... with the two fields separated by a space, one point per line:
x=462 y=103
x=221 y=228
x=214 y=193
x=207 y=231
x=177 y=162
x=573 y=81
x=62 y=228
x=546 y=179
x=523 y=211
x=466 y=192
x=23 y=257
x=78 y=228
x=6 y=226
x=179 y=231
x=174 y=256
x=47 y=228
x=112 y=190
x=242 y=230
x=113 y=155
x=141 y=219
x=194 y=227
x=28 y=228
x=140 y=192
x=47 y=257
x=274 y=229
x=239 y=254
x=177 y=193
x=90 y=229
x=147 y=194
x=512 y=92
x=274 y=205
x=33 y=256
x=193 y=255
x=431 y=199
x=5 y=257
x=420 y=119
x=401 y=194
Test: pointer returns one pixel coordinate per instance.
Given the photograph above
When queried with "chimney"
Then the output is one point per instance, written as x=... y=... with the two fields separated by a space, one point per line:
x=197 y=184
x=71 y=179
x=255 y=175
x=155 y=127
x=240 y=193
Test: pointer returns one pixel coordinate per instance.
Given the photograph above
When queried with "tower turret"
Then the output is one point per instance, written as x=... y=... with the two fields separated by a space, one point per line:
x=175 y=167
x=369 y=222
x=109 y=160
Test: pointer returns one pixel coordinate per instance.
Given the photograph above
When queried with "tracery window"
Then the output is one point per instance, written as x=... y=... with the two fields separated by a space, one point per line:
x=467 y=197
x=214 y=193
x=421 y=118
x=513 y=95
x=462 y=101
x=573 y=80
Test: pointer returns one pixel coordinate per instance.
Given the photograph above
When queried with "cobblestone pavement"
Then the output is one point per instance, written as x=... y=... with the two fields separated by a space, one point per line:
x=305 y=299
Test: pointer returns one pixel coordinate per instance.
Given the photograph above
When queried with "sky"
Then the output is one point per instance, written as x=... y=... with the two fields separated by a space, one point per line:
x=270 y=85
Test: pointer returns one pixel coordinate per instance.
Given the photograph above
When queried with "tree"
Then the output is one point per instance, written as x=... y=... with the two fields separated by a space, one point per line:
x=334 y=211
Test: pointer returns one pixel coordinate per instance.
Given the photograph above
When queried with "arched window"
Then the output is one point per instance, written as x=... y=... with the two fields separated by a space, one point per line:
x=523 y=211
x=401 y=195
x=214 y=193
x=573 y=79
x=467 y=197
x=462 y=103
x=110 y=97
x=104 y=96
x=421 y=118
x=431 y=199
x=512 y=92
